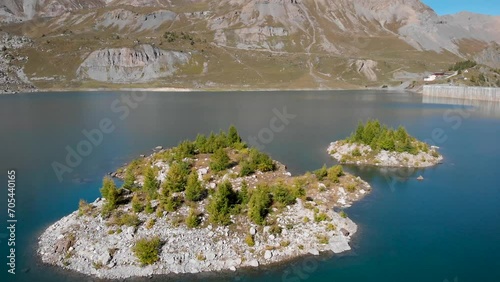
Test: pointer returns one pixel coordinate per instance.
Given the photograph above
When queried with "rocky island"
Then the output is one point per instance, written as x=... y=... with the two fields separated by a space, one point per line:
x=378 y=145
x=206 y=205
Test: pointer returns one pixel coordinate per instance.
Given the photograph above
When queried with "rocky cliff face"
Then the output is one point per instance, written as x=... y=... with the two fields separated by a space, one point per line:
x=317 y=43
x=125 y=19
x=435 y=33
x=141 y=64
x=19 y=10
x=284 y=24
x=489 y=56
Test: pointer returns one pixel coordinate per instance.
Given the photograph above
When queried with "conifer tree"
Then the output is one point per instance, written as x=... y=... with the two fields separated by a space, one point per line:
x=194 y=189
x=151 y=185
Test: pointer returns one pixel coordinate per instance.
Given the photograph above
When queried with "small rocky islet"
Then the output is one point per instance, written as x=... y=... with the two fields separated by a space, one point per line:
x=378 y=145
x=206 y=205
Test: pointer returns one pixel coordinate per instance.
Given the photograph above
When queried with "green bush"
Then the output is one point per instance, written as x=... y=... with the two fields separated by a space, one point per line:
x=176 y=179
x=321 y=173
x=110 y=193
x=250 y=240
x=137 y=205
x=219 y=161
x=211 y=145
x=258 y=205
x=246 y=169
x=334 y=173
x=356 y=153
x=233 y=135
x=129 y=179
x=275 y=229
x=319 y=217
x=351 y=188
x=343 y=214
x=214 y=142
x=260 y=161
x=149 y=209
x=185 y=149
x=283 y=194
x=108 y=189
x=330 y=227
x=193 y=220
x=298 y=187
x=200 y=144
x=285 y=243
x=172 y=203
x=171 y=36
x=150 y=223
x=151 y=185
x=127 y=219
x=244 y=194
x=322 y=239
x=463 y=65
x=147 y=250
x=84 y=208
x=222 y=202
x=379 y=136
x=194 y=190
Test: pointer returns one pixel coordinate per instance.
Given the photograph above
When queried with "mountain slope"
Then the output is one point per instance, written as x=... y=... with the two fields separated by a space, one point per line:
x=246 y=43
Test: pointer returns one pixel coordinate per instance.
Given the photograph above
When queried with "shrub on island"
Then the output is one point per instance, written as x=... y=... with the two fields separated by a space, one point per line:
x=111 y=194
x=147 y=250
x=182 y=182
x=259 y=204
x=177 y=177
x=194 y=189
x=219 y=160
x=381 y=137
x=223 y=201
x=151 y=185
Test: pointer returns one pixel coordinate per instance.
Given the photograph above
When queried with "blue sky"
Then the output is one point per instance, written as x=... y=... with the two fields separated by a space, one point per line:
x=443 y=7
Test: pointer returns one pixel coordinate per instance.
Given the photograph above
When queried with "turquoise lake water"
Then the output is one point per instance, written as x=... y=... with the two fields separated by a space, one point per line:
x=445 y=228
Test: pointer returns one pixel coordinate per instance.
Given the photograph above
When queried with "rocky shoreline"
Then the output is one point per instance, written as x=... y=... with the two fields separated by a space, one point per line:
x=186 y=250
x=89 y=243
x=360 y=154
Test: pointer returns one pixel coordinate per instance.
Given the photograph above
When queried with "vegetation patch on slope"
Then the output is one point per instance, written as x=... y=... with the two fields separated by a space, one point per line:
x=376 y=144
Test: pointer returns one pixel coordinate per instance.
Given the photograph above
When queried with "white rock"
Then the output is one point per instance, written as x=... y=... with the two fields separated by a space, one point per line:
x=232 y=268
x=237 y=261
x=268 y=254
x=210 y=256
x=253 y=263
x=314 y=252
x=253 y=231
x=105 y=258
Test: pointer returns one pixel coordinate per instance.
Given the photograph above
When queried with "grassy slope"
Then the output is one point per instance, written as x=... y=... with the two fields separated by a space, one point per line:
x=59 y=53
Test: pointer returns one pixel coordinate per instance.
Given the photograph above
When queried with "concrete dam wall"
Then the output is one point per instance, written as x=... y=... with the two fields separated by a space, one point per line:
x=463 y=92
